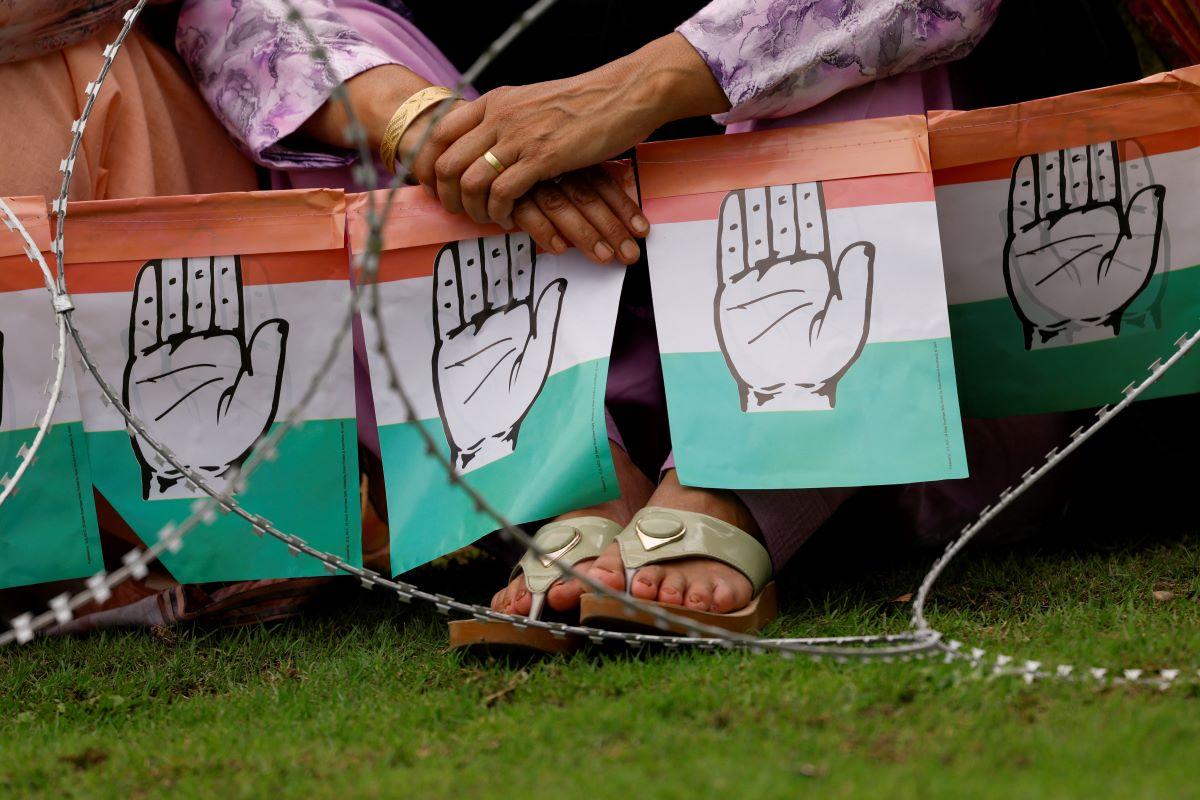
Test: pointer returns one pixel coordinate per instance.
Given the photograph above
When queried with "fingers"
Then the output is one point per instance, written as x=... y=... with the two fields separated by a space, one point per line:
x=227 y=293
x=618 y=201
x=515 y=182
x=531 y=219
x=1105 y=161
x=199 y=292
x=452 y=165
x=449 y=129
x=850 y=306
x=571 y=222
x=470 y=273
x=447 y=312
x=476 y=182
x=1135 y=170
x=521 y=265
x=754 y=210
x=143 y=327
x=1077 y=179
x=267 y=346
x=1051 y=182
x=172 y=298
x=781 y=205
x=1023 y=193
x=582 y=191
x=535 y=361
x=257 y=390
x=497 y=287
x=810 y=217
x=731 y=238
x=1144 y=218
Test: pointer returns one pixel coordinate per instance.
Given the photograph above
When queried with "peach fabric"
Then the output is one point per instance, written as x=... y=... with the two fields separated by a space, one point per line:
x=150 y=132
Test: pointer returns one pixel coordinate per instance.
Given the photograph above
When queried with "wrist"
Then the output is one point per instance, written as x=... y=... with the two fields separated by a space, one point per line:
x=675 y=81
x=416 y=134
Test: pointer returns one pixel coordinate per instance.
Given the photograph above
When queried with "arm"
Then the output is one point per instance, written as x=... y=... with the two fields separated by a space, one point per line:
x=257 y=73
x=737 y=59
x=775 y=58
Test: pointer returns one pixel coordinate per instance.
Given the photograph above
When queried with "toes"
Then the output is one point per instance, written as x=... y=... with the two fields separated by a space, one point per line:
x=699 y=595
x=729 y=596
x=522 y=600
x=500 y=599
x=646 y=582
x=608 y=568
x=564 y=595
x=672 y=588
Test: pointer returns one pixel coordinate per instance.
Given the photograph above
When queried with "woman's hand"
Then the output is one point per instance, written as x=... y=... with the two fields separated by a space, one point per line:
x=585 y=210
x=548 y=129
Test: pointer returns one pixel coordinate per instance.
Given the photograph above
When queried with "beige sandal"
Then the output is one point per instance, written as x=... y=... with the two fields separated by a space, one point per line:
x=664 y=534
x=567 y=541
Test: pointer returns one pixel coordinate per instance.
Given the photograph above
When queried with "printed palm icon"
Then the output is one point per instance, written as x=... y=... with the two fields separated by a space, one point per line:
x=790 y=320
x=192 y=376
x=493 y=343
x=1077 y=255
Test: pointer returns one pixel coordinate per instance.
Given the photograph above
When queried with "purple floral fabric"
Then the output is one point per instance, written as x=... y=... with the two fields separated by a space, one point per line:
x=255 y=69
x=776 y=58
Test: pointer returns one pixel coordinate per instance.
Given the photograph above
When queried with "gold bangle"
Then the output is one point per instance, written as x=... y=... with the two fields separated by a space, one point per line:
x=405 y=114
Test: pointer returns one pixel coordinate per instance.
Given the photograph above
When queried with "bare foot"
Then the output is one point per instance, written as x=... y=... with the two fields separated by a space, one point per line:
x=563 y=596
x=698 y=583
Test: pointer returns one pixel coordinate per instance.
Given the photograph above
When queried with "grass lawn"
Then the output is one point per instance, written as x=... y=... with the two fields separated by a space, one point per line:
x=364 y=700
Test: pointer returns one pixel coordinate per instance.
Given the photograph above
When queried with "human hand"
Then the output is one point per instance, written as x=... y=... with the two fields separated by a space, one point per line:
x=544 y=130
x=1077 y=255
x=493 y=344
x=192 y=377
x=790 y=320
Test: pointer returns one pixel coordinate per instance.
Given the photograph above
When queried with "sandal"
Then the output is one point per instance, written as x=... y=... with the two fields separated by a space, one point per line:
x=660 y=534
x=569 y=542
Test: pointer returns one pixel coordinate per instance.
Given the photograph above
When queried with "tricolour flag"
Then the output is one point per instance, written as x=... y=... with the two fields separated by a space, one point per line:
x=502 y=351
x=211 y=316
x=1071 y=245
x=800 y=307
x=48 y=524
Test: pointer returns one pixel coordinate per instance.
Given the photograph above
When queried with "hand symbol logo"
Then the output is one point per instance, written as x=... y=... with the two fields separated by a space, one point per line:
x=1077 y=255
x=192 y=377
x=494 y=345
x=790 y=320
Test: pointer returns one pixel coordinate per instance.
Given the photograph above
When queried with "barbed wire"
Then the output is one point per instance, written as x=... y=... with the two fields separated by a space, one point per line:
x=922 y=641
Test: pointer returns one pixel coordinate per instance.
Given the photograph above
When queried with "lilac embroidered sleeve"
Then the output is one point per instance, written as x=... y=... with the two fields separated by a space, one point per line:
x=775 y=58
x=256 y=71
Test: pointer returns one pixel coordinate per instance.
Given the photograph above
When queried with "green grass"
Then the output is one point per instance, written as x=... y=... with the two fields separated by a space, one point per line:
x=365 y=700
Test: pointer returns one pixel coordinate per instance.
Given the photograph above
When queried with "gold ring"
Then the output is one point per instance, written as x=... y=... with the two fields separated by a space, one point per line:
x=496 y=163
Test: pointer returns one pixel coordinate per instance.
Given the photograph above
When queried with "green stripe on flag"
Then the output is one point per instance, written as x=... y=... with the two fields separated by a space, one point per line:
x=310 y=491
x=998 y=377
x=562 y=462
x=48 y=526
x=896 y=421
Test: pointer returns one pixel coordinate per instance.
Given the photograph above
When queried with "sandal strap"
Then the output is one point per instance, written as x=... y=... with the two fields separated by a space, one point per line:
x=569 y=542
x=666 y=534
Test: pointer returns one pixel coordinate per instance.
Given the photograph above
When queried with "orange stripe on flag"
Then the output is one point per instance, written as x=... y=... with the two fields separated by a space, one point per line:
x=18 y=273
x=1001 y=169
x=257 y=270
x=886 y=146
x=916 y=187
x=1163 y=104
